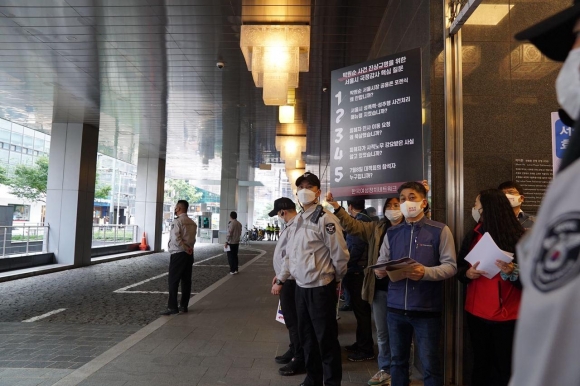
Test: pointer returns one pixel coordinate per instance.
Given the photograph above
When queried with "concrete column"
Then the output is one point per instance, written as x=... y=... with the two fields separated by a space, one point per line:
x=71 y=191
x=149 y=199
x=229 y=178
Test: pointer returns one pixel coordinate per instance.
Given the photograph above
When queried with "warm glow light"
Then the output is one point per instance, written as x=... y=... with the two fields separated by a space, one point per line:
x=489 y=14
x=293 y=175
x=291 y=148
x=275 y=54
x=286 y=114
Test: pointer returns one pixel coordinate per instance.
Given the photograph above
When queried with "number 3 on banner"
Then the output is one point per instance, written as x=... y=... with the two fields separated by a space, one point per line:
x=337 y=174
x=339 y=135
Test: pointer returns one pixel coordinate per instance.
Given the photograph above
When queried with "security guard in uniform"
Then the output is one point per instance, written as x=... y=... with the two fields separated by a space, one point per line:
x=317 y=258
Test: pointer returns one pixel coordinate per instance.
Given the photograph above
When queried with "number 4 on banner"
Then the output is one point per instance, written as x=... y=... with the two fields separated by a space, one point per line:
x=337 y=174
x=338 y=154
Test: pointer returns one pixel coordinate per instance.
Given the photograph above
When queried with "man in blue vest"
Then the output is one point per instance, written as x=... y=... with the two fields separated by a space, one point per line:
x=415 y=302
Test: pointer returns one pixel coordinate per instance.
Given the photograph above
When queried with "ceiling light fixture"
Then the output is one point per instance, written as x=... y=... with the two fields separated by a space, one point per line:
x=275 y=54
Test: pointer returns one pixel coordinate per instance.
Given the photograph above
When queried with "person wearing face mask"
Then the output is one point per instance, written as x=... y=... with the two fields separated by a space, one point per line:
x=415 y=303
x=515 y=195
x=317 y=259
x=284 y=285
x=547 y=336
x=363 y=348
x=491 y=305
x=180 y=246
x=374 y=291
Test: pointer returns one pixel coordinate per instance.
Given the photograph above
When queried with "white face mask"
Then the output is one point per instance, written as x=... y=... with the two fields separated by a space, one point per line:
x=475 y=214
x=393 y=214
x=514 y=200
x=306 y=196
x=281 y=219
x=411 y=209
x=568 y=84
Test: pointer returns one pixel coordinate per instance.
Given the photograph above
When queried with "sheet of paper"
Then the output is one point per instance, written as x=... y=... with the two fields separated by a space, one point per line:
x=396 y=268
x=487 y=252
x=227 y=249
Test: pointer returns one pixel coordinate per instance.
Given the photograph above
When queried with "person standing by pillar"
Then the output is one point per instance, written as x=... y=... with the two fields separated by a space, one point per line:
x=233 y=241
x=181 y=242
x=285 y=286
x=317 y=259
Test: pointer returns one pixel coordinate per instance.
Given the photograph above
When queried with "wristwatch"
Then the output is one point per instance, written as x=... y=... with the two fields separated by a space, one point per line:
x=279 y=282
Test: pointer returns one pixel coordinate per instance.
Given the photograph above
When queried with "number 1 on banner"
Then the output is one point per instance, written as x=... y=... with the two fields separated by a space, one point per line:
x=339 y=97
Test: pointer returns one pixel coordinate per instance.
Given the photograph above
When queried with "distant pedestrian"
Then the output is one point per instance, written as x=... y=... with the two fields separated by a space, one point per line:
x=233 y=241
x=181 y=241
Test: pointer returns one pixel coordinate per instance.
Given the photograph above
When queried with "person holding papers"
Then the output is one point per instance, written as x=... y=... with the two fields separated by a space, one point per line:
x=415 y=302
x=491 y=304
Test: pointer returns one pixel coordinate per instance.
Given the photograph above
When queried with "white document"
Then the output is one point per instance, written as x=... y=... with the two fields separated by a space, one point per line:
x=227 y=249
x=279 y=314
x=487 y=252
x=396 y=268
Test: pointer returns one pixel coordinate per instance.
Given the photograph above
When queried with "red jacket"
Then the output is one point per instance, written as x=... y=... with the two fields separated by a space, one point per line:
x=492 y=299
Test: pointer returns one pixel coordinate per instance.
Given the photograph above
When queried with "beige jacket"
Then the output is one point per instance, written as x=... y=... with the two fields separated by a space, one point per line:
x=182 y=234
x=234 y=232
x=370 y=232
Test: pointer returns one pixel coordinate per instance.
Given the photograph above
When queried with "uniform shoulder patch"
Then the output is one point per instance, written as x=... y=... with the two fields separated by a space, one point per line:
x=330 y=228
x=558 y=261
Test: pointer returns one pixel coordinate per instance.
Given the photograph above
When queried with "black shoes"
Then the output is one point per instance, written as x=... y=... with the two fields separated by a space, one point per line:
x=169 y=312
x=360 y=356
x=183 y=310
x=345 y=307
x=352 y=348
x=292 y=368
x=285 y=358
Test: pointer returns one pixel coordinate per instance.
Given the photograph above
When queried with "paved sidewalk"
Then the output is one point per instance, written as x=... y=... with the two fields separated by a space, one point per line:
x=229 y=337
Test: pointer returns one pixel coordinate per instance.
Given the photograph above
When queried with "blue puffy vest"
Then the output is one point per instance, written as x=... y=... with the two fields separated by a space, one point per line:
x=422 y=238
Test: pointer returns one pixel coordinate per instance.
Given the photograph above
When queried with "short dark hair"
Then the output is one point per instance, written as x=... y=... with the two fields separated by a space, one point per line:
x=233 y=215
x=511 y=185
x=416 y=186
x=371 y=210
x=356 y=203
x=184 y=204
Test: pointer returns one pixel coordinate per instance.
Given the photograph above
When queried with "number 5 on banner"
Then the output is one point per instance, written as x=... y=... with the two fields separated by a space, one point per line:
x=337 y=174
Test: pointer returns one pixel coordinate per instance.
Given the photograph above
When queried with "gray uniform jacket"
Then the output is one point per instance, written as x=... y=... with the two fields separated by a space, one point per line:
x=234 y=232
x=547 y=334
x=182 y=234
x=317 y=252
x=280 y=256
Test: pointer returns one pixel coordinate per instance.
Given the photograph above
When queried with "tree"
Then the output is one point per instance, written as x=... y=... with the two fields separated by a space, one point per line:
x=29 y=182
x=103 y=192
x=3 y=176
x=184 y=191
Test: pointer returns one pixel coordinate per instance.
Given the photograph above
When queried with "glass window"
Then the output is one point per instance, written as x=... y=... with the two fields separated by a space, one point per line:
x=21 y=213
x=17 y=128
x=4 y=154
x=27 y=141
x=15 y=158
x=12 y=147
x=16 y=139
x=35 y=153
x=5 y=145
x=18 y=149
x=27 y=159
x=5 y=124
x=39 y=144
x=4 y=135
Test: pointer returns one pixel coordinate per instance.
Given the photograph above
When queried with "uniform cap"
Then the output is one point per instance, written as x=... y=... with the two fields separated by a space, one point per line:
x=311 y=178
x=282 y=203
x=554 y=36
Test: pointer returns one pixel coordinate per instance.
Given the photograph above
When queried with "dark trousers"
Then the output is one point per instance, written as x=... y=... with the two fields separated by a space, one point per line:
x=318 y=331
x=180 y=267
x=288 y=304
x=233 y=256
x=492 y=351
x=353 y=282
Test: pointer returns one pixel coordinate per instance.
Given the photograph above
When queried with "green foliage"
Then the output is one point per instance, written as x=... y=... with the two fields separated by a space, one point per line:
x=3 y=176
x=29 y=182
x=103 y=192
x=182 y=190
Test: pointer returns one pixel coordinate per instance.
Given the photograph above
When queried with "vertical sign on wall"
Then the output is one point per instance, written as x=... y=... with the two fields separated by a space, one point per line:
x=560 y=138
x=376 y=126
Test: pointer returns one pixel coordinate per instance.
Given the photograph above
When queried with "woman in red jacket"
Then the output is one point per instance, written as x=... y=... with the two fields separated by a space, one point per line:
x=492 y=305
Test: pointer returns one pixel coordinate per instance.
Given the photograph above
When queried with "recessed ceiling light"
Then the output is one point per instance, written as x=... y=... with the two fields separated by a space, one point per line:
x=71 y=38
